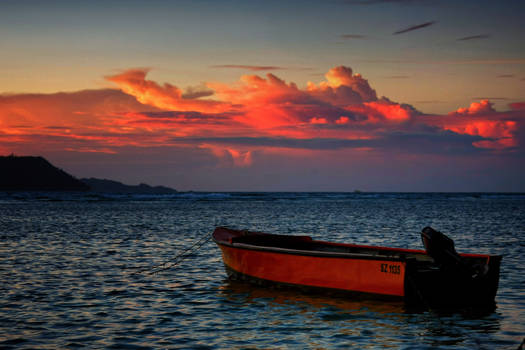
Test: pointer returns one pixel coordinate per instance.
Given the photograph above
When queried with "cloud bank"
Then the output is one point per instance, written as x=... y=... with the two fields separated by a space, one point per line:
x=237 y=123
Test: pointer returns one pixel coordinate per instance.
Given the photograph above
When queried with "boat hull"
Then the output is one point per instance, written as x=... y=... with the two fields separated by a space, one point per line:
x=392 y=273
x=384 y=277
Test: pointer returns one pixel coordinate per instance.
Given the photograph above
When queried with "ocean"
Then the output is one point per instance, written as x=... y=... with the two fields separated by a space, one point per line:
x=100 y=271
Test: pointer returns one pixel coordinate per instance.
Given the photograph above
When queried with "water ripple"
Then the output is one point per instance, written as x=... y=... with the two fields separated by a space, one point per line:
x=68 y=272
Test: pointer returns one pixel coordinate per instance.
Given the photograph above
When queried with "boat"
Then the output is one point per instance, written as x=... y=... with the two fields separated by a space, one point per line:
x=435 y=277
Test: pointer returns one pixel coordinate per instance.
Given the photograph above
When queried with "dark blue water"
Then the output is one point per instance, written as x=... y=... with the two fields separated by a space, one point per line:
x=68 y=263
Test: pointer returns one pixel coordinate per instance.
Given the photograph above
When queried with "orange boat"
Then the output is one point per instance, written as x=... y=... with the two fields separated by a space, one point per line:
x=438 y=276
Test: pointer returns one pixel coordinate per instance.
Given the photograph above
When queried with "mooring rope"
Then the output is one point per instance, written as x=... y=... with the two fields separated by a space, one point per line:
x=176 y=259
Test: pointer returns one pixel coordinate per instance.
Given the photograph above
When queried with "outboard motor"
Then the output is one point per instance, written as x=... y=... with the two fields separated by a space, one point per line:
x=440 y=248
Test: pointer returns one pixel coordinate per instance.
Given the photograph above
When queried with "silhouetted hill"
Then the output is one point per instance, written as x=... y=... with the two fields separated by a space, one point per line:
x=110 y=186
x=35 y=174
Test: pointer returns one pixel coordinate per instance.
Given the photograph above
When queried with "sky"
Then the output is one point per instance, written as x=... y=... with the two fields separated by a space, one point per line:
x=337 y=95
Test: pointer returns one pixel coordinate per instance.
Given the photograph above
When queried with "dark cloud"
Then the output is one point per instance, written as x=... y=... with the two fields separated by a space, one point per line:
x=189 y=115
x=414 y=27
x=474 y=37
x=197 y=92
x=506 y=76
x=311 y=144
x=75 y=99
x=56 y=127
x=430 y=141
x=166 y=118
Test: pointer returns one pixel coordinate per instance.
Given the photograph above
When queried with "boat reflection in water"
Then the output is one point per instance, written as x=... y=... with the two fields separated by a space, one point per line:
x=248 y=294
x=322 y=321
x=281 y=316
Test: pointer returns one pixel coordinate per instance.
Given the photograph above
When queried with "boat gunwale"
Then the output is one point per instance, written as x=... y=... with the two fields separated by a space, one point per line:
x=311 y=253
x=401 y=251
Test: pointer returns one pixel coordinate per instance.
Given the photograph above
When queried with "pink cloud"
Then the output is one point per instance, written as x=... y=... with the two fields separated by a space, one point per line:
x=167 y=96
x=484 y=106
x=342 y=88
x=262 y=114
x=315 y=120
x=517 y=106
x=391 y=111
x=480 y=119
x=500 y=132
x=230 y=155
x=342 y=120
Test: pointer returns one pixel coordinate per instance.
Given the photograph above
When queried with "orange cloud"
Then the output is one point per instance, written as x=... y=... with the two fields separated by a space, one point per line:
x=256 y=114
x=169 y=97
x=484 y=106
x=499 y=130
x=262 y=103
x=342 y=88
x=230 y=155
x=315 y=120
x=382 y=112
x=342 y=120
x=274 y=106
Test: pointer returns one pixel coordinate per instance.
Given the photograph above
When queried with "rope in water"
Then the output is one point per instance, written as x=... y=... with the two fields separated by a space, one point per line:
x=176 y=259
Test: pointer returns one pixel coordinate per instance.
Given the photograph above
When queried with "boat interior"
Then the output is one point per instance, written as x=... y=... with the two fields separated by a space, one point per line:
x=307 y=244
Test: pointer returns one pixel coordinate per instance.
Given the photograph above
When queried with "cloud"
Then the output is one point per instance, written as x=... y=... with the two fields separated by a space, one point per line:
x=496 y=134
x=474 y=37
x=484 y=106
x=506 y=76
x=230 y=155
x=517 y=106
x=167 y=96
x=78 y=110
x=498 y=130
x=271 y=103
x=422 y=141
x=342 y=87
x=284 y=142
x=194 y=92
x=249 y=118
x=414 y=27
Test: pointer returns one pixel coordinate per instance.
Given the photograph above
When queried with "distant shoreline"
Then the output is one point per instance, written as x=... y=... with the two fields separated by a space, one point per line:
x=36 y=174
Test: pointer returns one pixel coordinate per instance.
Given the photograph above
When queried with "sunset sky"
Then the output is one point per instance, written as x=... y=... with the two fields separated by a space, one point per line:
x=337 y=95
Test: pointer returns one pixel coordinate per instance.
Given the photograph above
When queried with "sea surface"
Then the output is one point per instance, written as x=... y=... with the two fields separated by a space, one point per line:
x=126 y=271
